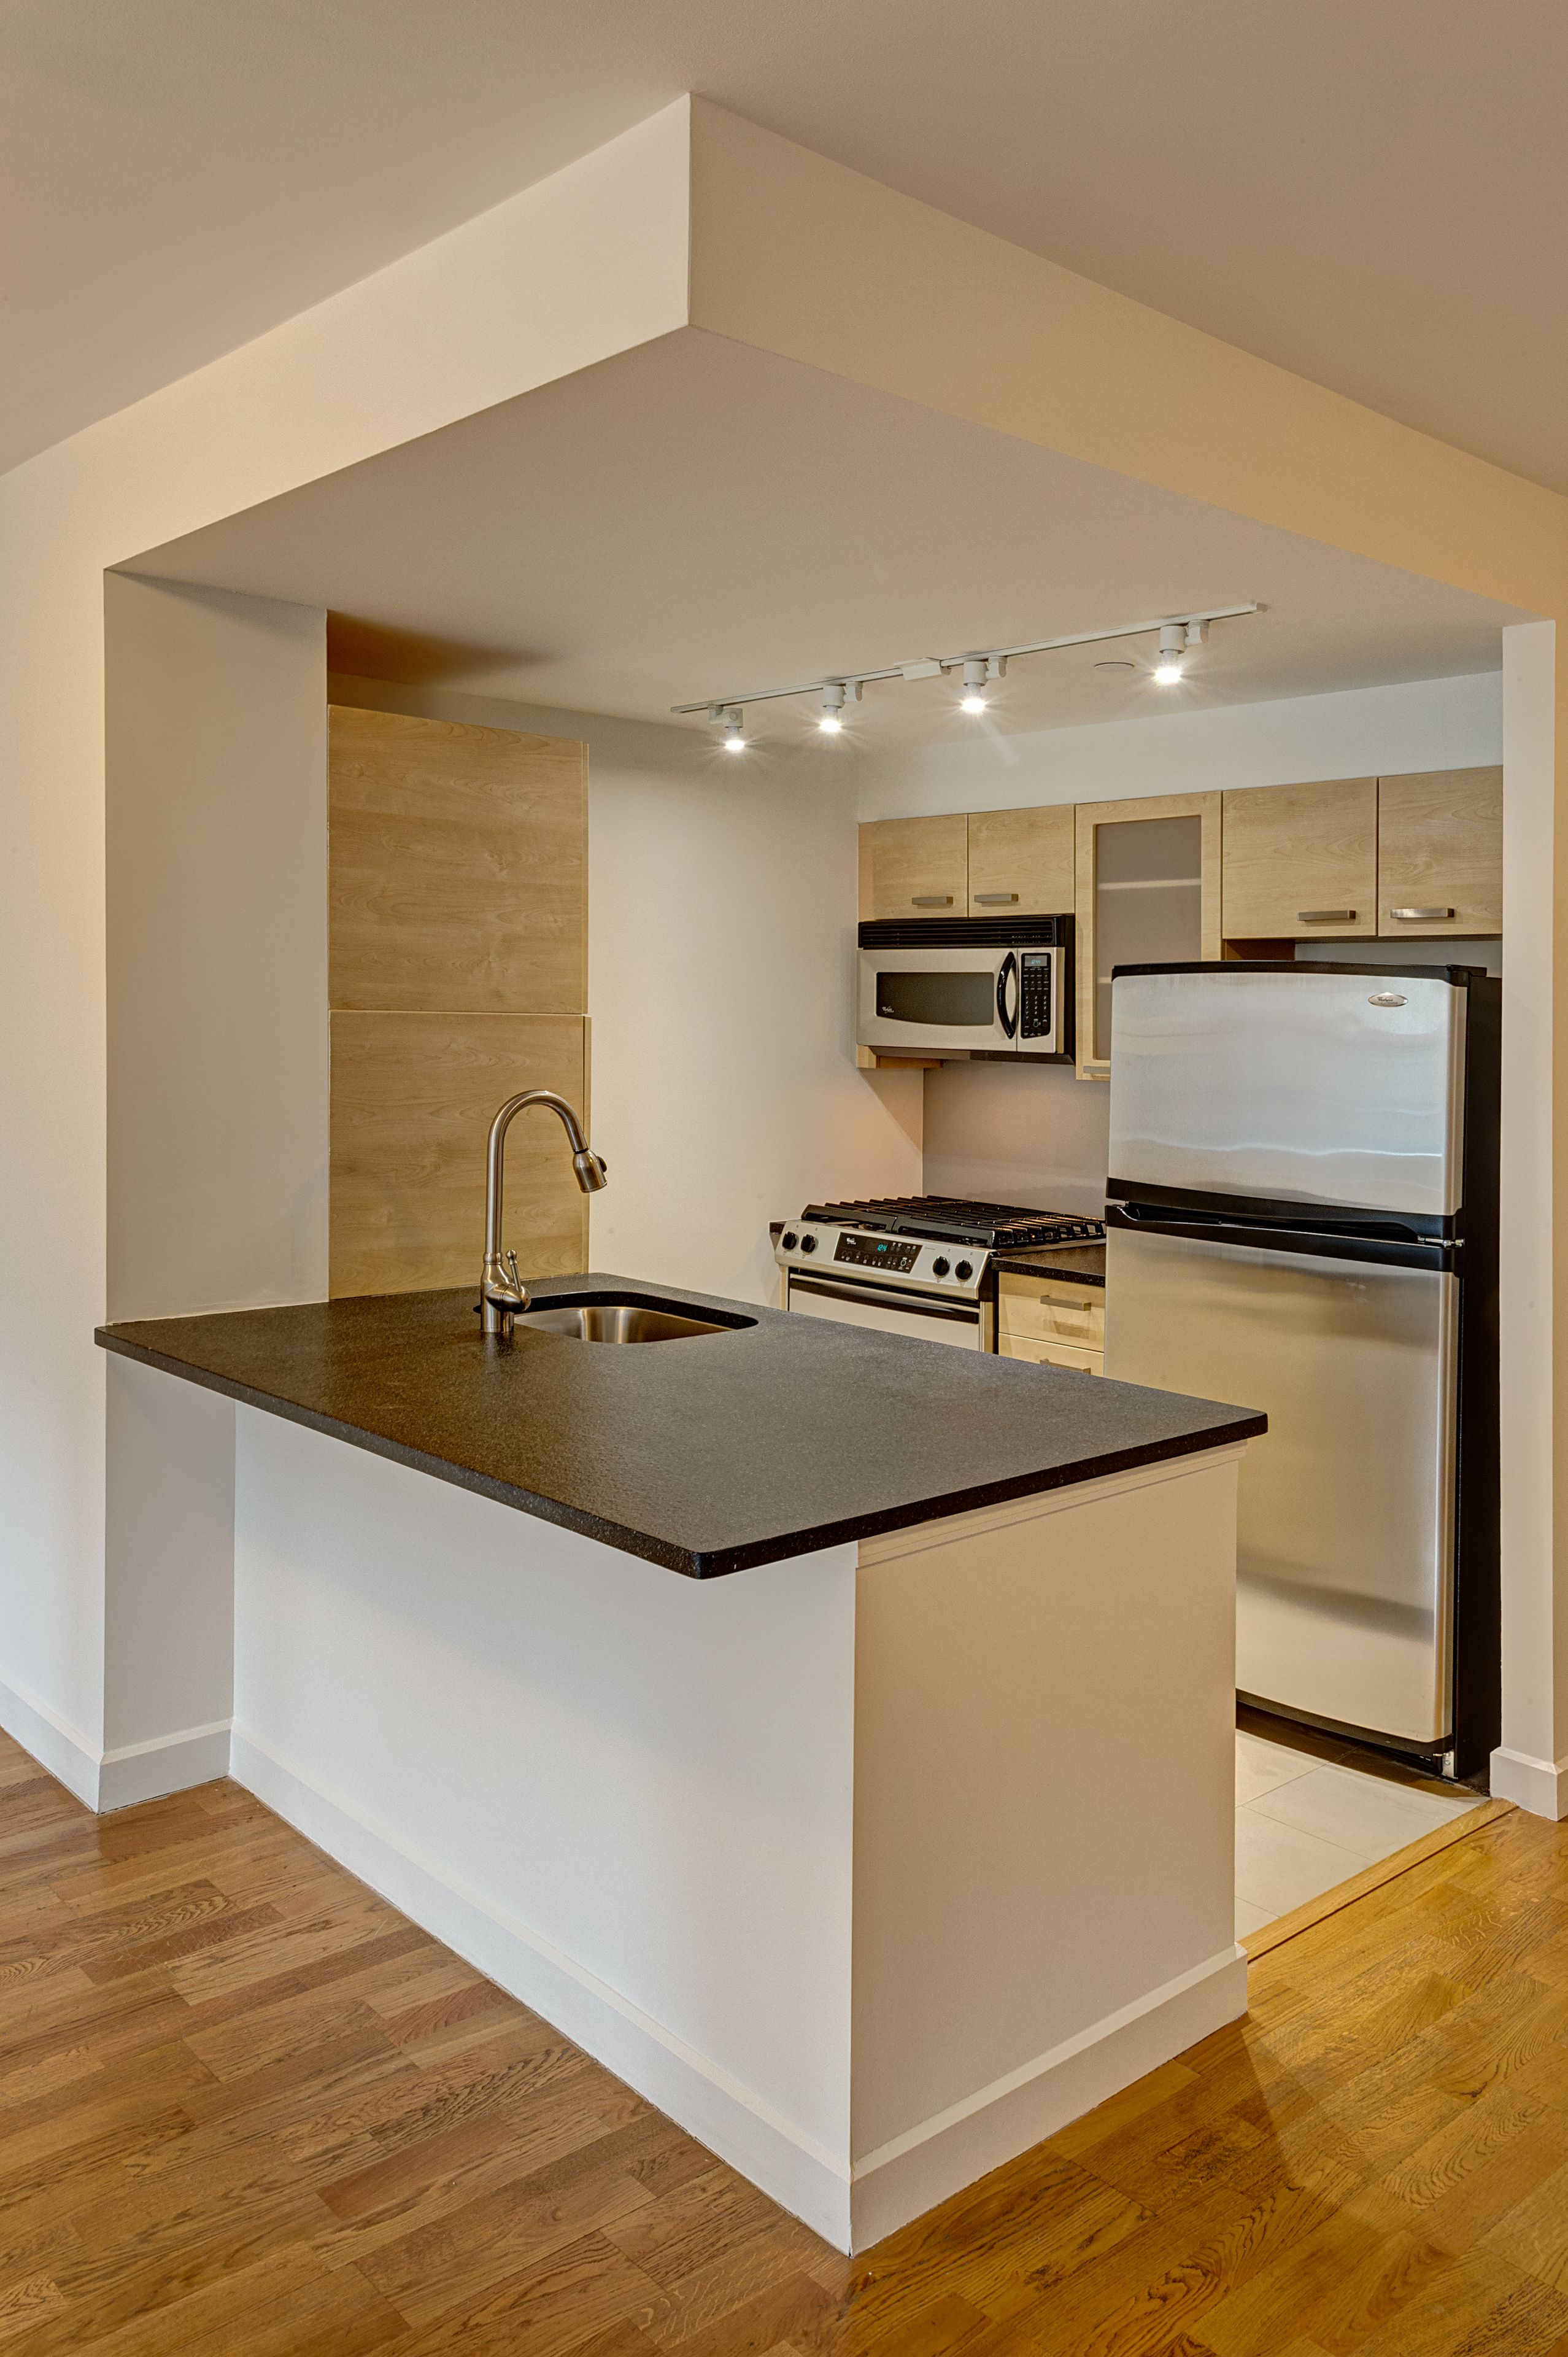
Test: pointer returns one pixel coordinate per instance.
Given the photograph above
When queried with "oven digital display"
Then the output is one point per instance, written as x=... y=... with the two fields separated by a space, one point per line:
x=878 y=1251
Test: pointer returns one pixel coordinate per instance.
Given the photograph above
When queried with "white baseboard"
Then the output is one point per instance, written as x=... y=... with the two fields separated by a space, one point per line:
x=900 y=2182
x=1538 y=1785
x=62 y=1749
x=113 y=1780
x=731 y=2119
x=913 y=2173
x=170 y=1763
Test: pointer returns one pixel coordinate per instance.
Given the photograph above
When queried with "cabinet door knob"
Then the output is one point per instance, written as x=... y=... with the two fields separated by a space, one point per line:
x=931 y=901
x=1419 y=916
x=1325 y=915
x=994 y=899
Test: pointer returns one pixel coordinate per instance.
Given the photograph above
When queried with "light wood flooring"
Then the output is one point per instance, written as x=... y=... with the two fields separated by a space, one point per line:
x=246 y=2110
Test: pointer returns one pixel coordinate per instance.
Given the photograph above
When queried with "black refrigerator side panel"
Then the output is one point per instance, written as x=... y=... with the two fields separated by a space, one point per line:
x=1478 y=1589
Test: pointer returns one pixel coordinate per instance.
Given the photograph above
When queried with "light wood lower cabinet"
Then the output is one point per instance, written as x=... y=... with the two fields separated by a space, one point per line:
x=1051 y=1321
x=1021 y=862
x=1301 y=861
x=915 y=867
x=1440 y=853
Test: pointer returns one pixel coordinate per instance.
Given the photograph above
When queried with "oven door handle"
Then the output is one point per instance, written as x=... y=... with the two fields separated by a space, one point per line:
x=1007 y=971
x=840 y=1288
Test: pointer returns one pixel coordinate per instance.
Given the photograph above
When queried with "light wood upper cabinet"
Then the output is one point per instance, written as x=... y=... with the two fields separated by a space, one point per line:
x=1021 y=861
x=1147 y=889
x=1301 y=861
x=1440 y=853
x=915 y=867
x=457 y=867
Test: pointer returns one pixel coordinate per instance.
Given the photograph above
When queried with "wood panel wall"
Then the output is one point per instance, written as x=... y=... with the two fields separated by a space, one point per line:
x=457 y=975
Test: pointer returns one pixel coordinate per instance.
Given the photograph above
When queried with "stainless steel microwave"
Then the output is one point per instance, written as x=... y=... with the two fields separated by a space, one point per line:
x=967 y=985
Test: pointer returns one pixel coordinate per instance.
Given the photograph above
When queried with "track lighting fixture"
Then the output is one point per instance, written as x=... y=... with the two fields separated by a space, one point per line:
x=1176 y=639
x=1172 y=643
x=976 y=671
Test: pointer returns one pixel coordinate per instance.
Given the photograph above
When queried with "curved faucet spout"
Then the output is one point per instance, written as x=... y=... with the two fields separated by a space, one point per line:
x=502 y=1293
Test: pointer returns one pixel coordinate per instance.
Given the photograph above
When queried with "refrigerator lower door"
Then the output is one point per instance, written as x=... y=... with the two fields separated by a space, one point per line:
x=1344 y=1559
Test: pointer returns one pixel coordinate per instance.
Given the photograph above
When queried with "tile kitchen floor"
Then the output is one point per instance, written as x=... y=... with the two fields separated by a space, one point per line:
x=1307 y=1819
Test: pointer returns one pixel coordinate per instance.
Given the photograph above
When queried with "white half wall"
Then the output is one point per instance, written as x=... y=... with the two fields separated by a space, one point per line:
x=623 y=1795
x=721 y=948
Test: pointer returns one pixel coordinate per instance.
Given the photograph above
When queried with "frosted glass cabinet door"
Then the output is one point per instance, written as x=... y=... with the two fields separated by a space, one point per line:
x=1345 y=1528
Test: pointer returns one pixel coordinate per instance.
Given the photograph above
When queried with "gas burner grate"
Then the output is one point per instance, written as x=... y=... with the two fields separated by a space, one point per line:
x=948 y=1219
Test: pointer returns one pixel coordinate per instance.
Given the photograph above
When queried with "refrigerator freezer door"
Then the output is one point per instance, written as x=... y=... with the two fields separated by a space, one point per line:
x=1346 y=1530
x=1298 y=1086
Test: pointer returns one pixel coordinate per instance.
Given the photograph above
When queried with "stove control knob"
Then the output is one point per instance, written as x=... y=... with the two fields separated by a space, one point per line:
x=788 y=1239
x=938 y=1268
x=963 y=1272
x=807 y=1244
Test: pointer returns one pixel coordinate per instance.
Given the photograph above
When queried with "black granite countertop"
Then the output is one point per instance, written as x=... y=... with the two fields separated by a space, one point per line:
x=706 y=1454
x=1084 y=1262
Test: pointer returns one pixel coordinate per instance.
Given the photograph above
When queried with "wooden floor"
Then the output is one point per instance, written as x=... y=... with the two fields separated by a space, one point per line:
x=247 y=2111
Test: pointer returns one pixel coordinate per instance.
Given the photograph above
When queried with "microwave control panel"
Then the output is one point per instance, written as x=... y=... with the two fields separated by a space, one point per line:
x=1034 y=995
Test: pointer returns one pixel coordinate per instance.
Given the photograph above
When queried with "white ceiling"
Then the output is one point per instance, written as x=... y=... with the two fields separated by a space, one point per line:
x=696 y=519
x=1374 y=195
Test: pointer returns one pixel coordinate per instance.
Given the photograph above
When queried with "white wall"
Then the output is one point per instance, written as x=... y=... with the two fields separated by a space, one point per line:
x=1441 y=724
x=582 y=266
x=721 y=945
x=215 y=727
x=1040 y=1138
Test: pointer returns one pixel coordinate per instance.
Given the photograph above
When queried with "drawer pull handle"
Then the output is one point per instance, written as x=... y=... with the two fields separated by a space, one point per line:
x=994 y=899
x=1325 y=915
x=932 y=900
x=1418 y=916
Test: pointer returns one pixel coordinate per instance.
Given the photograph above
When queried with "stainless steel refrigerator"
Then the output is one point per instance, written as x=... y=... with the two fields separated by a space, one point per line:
x=1302 y=1218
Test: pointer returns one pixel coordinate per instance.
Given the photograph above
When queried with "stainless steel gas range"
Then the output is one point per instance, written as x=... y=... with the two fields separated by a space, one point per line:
x=917 y=1265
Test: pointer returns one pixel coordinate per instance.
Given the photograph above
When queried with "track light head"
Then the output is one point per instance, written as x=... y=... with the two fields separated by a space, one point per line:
x=730 y=722
x=976 y=671
x=1173 y=644
x=832 y=705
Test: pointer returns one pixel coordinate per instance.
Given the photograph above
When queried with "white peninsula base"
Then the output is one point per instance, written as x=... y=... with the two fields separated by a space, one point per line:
x=871 y=1867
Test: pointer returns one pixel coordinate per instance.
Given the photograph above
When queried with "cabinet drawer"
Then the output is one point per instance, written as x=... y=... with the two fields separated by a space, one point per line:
x=1048 y=1309
x=1051 y=1354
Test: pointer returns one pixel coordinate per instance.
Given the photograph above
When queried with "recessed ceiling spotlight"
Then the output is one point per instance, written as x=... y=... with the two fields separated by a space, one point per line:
x=1116 y=663
x=832 y=705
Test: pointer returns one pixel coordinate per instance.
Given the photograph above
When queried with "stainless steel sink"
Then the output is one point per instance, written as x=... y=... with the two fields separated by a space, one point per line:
x=620 y=1321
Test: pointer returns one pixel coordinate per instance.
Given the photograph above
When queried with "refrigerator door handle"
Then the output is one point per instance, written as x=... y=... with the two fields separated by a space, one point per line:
x=1315 y=1243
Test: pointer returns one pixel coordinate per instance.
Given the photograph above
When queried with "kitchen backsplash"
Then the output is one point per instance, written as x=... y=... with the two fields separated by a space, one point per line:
x=1007 y=1136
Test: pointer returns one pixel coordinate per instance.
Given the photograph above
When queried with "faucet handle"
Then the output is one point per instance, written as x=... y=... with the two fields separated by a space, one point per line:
x=510 y=1260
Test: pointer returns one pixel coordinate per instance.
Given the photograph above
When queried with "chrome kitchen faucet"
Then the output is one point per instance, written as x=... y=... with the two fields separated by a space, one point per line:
x=502 y=1293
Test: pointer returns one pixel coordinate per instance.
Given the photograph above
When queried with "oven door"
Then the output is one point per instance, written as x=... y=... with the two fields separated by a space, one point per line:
x=932 y=1001
x=888 y=1310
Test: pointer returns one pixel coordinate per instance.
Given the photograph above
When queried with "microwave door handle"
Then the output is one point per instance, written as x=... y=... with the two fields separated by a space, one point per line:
x=1007 y=971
